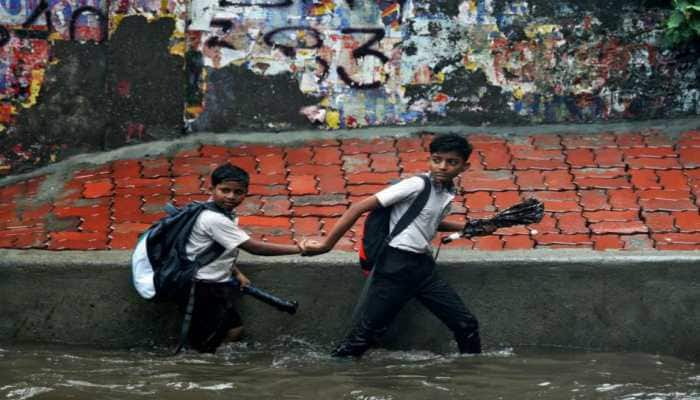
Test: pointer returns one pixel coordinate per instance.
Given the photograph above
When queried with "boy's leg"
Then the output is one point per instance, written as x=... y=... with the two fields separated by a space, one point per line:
x=443 y=301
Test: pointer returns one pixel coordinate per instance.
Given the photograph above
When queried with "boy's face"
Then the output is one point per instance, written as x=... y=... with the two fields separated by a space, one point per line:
x=229 y=194
x=444 y=167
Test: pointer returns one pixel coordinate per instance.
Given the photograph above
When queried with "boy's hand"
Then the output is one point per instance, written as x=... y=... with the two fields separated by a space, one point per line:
x=312 y=248
x=242 y=280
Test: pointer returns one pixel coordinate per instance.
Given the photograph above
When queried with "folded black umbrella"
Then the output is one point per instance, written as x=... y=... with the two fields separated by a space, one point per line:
x=528 y=212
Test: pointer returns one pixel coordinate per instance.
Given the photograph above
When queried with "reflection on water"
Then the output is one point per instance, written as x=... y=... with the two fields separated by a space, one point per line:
x=295 y=369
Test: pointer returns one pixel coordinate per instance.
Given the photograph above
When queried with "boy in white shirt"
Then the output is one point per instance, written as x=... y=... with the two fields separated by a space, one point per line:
x=215 y=318
x=406 y=268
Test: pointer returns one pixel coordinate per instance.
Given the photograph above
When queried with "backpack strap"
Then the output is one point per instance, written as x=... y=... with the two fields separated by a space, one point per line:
x=413 y=211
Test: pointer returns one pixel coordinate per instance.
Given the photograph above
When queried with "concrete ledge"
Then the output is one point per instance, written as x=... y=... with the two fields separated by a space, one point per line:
x=616 y=301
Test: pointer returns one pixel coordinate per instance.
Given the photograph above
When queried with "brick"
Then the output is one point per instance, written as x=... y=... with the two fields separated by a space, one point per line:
x=659 y=221
x=269 y=179
x=546 y=141
x=687 y=221
x=600 y=216
x=126 y=208
x=123 y=241
x=488 y=243
x=355 y=146
x=126 y=169
x=212 y=151
x=606 y=173
x=35 y=213
x=413 y=167
x=248 y=164
x=664 y=194
x=609 y=158
x=306 y=225
x=331 y=184
x=134 y=228
x=362 y=190
x=518 y=242
x=538 y=164
x=690 y=139
x=77 y=241
x=416 y=156
x=98 y=188
x=644 y=179
x=591 y=141
x=649 y=152
x=570 y=223
x=377 y=178
x=656 y=139
x=678 y=246
x=257 y=150
x=594 y=200
x=317 y=170
x=285 y=239
x=189 y=184
x=319 y=200
x=327 y=156
x=530 y=180
x=100 y=172
x=550 y=239
x=666 y=205
x=630 y=140
x=32 y=240
x=602 y=183
x=96 y=223
x=328 y=224
x=676 y=238
x=580 y=158
x=356 y=163
x=409 y=145
x=503 y=200
x=496 y=159
x=323 y=142
x=623 y=199
x=302 y=184
x=182 y=200
x=546 y=226
x=607 y=242
x=558 y=180
x=488 y=181
x=315 y=211
x=526 y=152
x=276 y=206
x=654 y=163
x=268 y=190
x=637 y=242
x=480 y=201
x=271 y=164
x=194 y=166
x=261 y=221
x=625 y=227
x=385 y=162
x=673 y=180
x=155 y=168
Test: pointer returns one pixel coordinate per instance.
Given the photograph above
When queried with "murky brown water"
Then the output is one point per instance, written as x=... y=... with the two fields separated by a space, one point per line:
x=294 y=369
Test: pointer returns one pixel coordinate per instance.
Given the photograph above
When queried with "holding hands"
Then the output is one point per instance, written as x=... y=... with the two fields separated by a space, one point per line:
x=310 y=247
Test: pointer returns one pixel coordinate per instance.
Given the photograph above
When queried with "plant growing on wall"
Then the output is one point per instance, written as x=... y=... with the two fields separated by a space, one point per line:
x=683 y=25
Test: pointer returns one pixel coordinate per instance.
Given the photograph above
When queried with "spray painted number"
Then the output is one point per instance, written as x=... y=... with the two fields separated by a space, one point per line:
x=364 y=51
x=290 y=51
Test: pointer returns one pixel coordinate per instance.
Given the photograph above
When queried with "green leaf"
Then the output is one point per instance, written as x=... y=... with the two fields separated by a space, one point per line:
x=675 y=20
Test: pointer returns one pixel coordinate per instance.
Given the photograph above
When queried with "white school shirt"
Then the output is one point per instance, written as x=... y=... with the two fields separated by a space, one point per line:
x=211 y=227
x=418 y=234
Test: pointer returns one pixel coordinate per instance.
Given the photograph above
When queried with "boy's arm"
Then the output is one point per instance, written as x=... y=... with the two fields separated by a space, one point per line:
x=344 y=223
x=260 y=248
x=450 y=226
x=242 y=279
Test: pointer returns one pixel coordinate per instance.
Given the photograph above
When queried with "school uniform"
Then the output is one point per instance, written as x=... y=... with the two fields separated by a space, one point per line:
x=215 y=306
x=406 y=270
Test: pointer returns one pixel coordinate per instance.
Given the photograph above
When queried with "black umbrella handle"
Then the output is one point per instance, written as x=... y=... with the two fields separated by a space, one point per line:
x=288 y=306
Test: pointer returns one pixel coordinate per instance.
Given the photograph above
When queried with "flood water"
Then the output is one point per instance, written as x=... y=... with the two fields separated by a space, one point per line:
x=294 y=369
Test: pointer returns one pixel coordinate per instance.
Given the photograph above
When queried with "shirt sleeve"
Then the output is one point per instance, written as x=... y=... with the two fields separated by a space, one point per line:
x=403 y=190
x=225 y=231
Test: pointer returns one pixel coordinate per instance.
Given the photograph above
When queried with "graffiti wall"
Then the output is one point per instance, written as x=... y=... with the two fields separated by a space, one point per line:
x=163 y=68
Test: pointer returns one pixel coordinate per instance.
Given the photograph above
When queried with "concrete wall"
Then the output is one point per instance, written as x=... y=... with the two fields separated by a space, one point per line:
x=87 y=75
x=581 y=300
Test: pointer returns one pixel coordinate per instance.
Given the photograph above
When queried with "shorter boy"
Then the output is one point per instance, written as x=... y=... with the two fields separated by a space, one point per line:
x=215 y=318
x=406 y=268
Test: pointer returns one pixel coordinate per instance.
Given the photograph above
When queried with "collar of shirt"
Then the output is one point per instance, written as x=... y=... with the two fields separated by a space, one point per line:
x=441 y=187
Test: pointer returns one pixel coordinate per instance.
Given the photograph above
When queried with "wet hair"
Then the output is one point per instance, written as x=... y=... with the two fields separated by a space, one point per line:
x=451 y=142
x=229 y=172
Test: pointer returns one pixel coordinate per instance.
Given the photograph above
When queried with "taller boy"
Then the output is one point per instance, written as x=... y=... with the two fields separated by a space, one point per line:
x=406 y=269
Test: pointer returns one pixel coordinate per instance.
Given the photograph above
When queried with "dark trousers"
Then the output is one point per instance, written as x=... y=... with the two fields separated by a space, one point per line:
x=399 y=277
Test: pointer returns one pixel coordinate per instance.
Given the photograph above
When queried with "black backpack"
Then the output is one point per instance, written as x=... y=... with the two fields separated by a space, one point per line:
x=160 y=268
x=376 y=235
x=171 y=272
